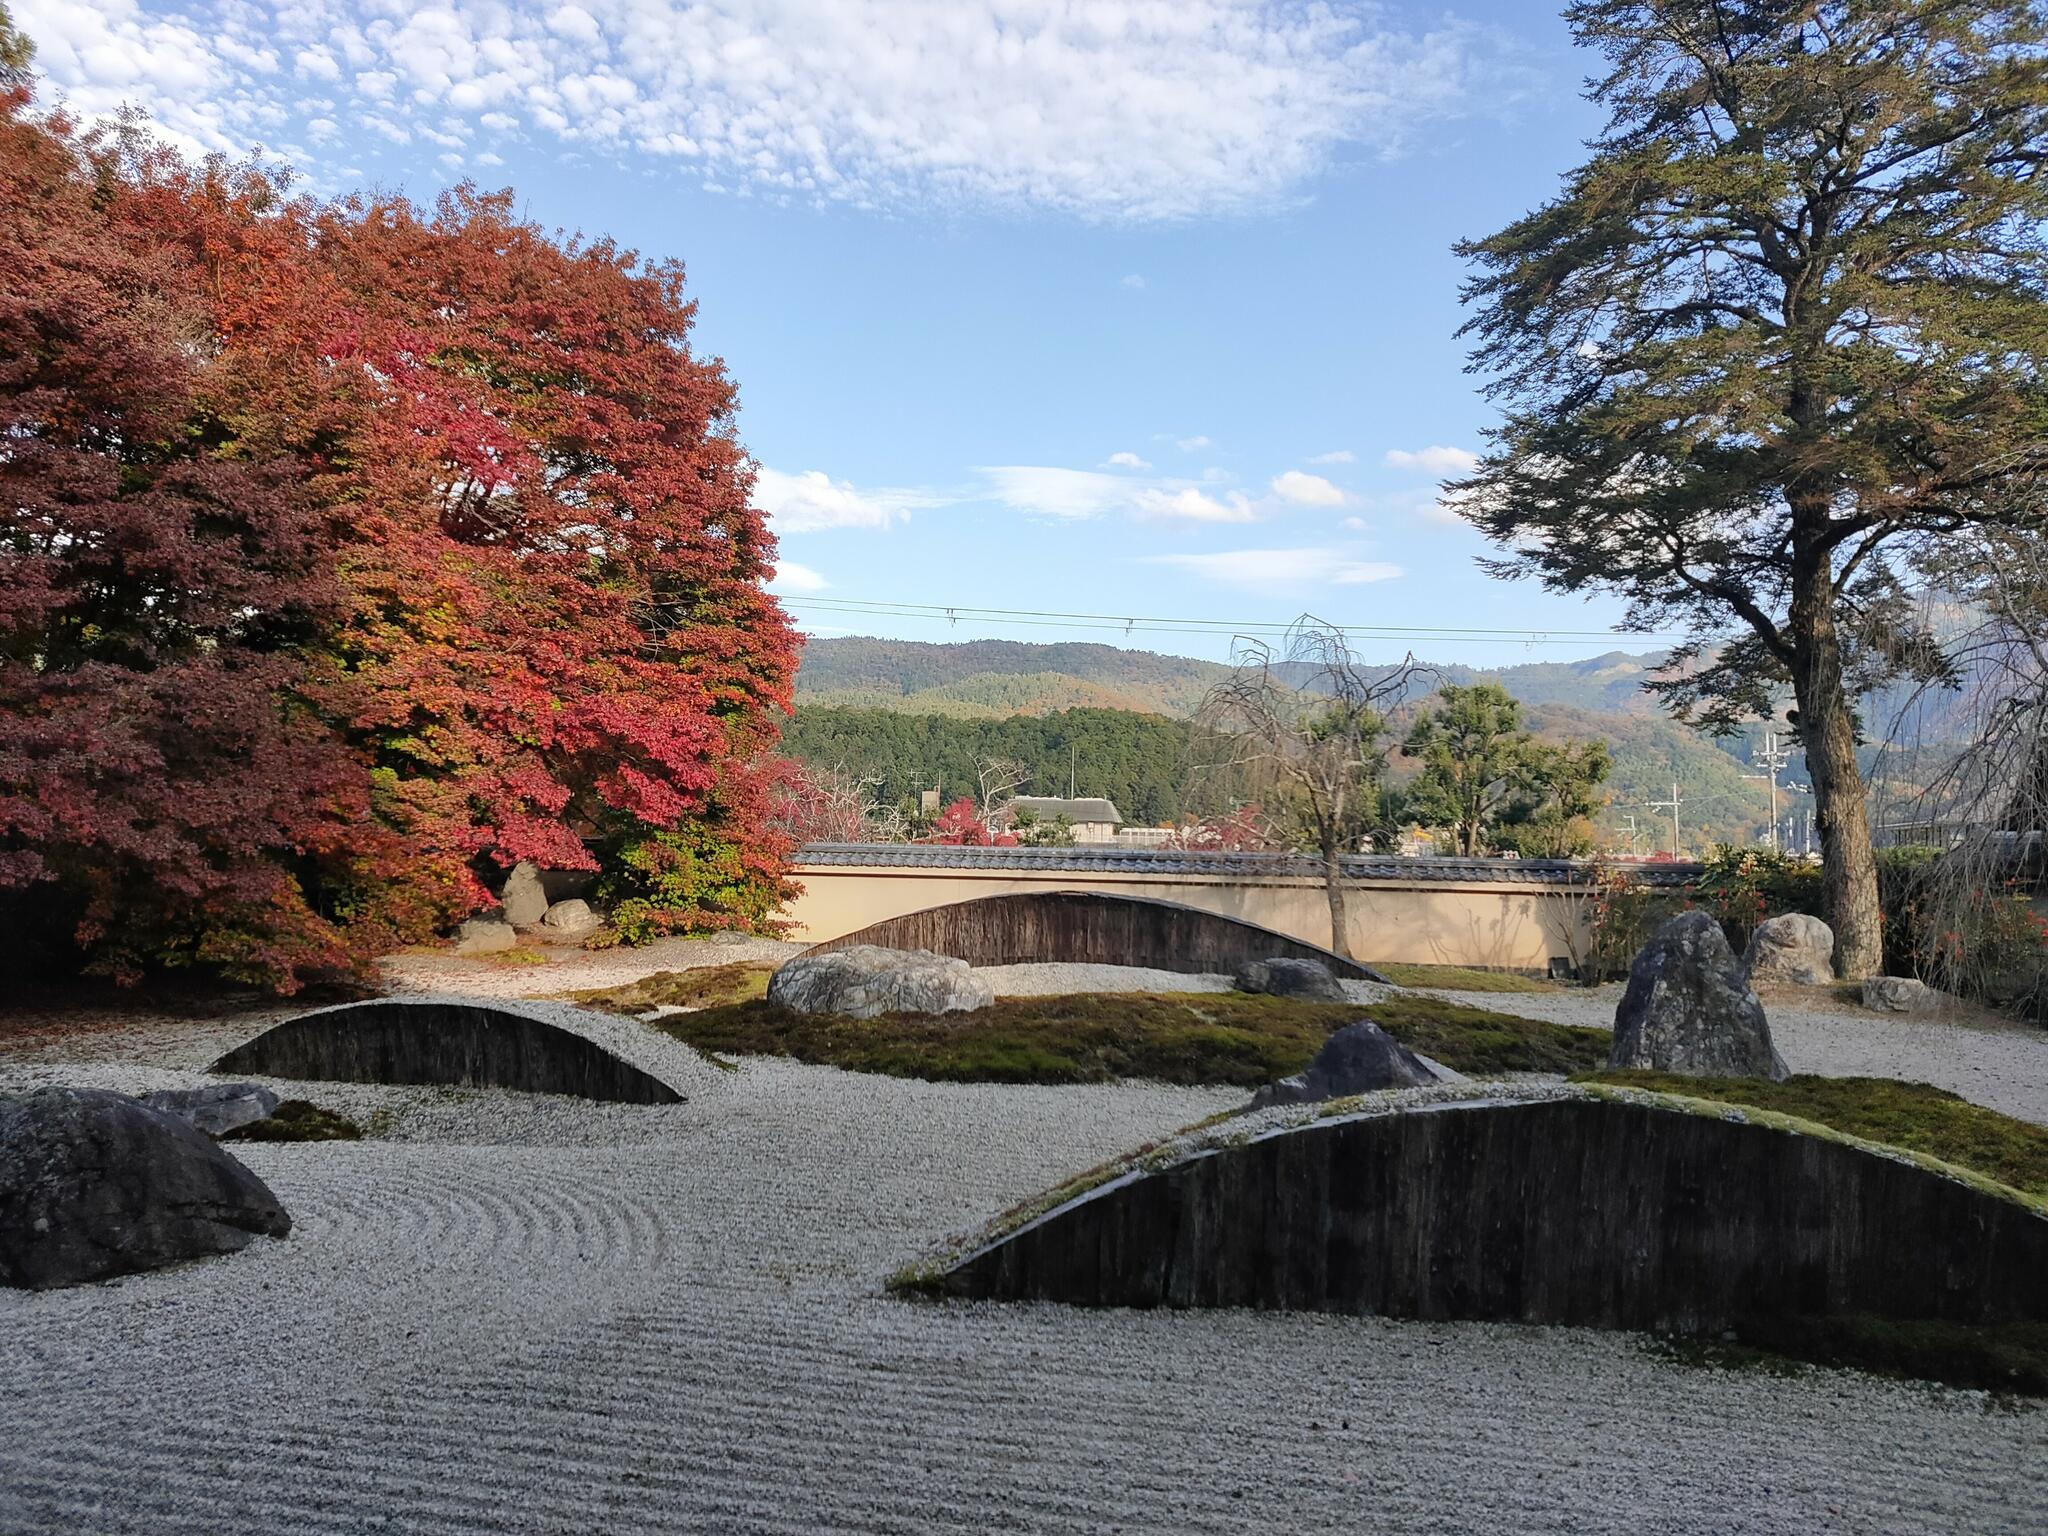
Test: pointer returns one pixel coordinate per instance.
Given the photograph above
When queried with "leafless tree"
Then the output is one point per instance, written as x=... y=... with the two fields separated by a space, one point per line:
x=1983 y=807
x=1306 y=724
x=834 y=805
x=994 y=776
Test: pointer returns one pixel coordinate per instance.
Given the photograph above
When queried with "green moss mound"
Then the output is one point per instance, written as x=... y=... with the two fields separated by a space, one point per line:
x=710 y=986
x=1460 y=978
x=1225 y=1038
x=1913 y=1116
x=297 y=1120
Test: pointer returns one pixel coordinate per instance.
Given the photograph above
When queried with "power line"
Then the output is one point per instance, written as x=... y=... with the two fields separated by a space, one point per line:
x=1036 y=618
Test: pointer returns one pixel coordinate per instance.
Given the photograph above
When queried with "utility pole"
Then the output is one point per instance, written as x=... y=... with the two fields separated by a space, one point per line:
x=1073 y=761
x=1672 y=806
x=1631 y=834
x=1772 y=760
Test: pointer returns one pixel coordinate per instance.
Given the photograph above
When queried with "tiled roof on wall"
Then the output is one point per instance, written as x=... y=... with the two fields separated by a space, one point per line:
x=1110 y=859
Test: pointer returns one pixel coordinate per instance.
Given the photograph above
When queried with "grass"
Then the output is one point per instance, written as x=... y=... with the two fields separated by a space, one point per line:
x=710 y=986
x=1460 y=978
x=1190 y=1037
x=1913 y=1116
x=297 y=1120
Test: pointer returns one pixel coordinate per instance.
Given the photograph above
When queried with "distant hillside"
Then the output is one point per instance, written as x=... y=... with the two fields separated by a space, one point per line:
x=995 y=680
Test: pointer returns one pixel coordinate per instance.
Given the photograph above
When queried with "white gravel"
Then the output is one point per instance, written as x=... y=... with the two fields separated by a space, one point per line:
x=1997 y=1063
x=520 y=1314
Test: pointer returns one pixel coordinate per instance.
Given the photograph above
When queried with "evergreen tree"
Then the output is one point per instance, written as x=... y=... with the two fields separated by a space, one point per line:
x=1788 y=321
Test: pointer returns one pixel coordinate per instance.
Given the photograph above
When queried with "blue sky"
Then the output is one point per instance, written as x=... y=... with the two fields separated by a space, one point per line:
x=1137 y=309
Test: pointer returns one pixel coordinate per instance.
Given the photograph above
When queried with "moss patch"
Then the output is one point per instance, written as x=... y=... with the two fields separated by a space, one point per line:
x=297 y=1120
x=710 y=986
x=1460 y=978
x=1912 y=1116
x=1227 y=1038
x=2005 y=1358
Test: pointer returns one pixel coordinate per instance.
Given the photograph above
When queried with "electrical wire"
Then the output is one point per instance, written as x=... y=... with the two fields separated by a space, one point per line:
x=1129 y=625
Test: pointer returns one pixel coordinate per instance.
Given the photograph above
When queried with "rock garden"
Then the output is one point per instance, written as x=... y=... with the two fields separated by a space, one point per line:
x=424 y=1215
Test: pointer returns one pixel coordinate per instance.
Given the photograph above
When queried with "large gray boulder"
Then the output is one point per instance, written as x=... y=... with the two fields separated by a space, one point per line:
x=484 y=936
x=216 y=1108
x=1309 y=980
x=94 y=1184
x=1901 y=994
x=866 y=980
x=1793 y=948
x=1689 y=1008
x=525 y=897
x=1359 y=1058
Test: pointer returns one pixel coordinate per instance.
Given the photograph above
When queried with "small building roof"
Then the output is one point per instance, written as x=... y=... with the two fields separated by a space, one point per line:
x=1052 y=807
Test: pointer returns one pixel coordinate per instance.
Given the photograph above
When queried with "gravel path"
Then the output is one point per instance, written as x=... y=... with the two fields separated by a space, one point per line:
x=1997 y=1063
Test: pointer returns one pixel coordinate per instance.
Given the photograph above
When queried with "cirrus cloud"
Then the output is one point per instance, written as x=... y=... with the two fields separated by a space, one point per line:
x=1120 y=112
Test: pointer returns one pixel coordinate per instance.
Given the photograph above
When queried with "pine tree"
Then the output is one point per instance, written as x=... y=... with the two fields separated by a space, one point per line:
x=1788 y=321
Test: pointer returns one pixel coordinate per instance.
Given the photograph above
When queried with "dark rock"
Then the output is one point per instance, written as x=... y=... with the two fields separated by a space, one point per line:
x=217 y=1107
x=864 y=981
x=1689 y=1008
x=1359 y=1058
x=525 y=896
x=1308 y=980
x=94 y=1184
x=1791 y=948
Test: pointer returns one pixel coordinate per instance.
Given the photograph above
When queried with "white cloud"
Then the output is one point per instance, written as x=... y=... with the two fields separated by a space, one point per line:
x=1191 y=444
x=1123 y=112
x=1340 y=456
x=1133 y=280
x=1280 y=570
x=812 y=501
x=1190 y=505
x=1434 y=460
x=1306 y=490
x=1128 y=461
x=791 y=579
x=1356 y=524
x=1048 y=492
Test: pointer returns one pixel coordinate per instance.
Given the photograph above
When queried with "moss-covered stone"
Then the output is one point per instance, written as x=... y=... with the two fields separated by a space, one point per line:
x=1191 y=1037
x=297 y=1120
x=711 y=986
x=1912 y=1117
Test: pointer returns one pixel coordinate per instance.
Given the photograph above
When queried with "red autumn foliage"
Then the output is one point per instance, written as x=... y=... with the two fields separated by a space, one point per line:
x=961 y=824
x=153 y=592
x=460 y=539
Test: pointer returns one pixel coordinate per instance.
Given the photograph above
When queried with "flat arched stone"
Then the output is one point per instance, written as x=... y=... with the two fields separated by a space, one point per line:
x=1566 y=1207
x=1089 y=928
x=467 y=1042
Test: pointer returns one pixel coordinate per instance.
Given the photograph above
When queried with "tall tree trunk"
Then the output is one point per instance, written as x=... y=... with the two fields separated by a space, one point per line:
x=1827 y=728
x=1333 y=887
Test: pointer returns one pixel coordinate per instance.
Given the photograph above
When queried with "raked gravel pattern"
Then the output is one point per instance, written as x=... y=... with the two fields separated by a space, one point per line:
x=677 y=1324
x=522 y=1313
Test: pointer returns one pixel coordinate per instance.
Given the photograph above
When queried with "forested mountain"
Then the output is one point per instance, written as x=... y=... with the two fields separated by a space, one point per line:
x=913 y=715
